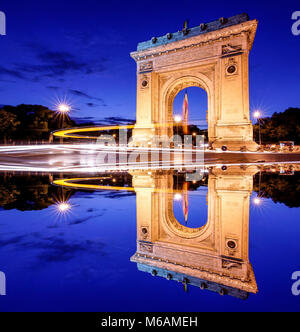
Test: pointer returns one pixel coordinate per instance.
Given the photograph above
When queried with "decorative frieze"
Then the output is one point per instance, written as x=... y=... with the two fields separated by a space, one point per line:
x=220 y=37
x=146 y=67
x=231 y=49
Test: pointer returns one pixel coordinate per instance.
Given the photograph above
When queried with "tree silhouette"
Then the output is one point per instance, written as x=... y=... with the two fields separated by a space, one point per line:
x=280 y=127
x=280 y=188
x=8 y=124
x=34 y=122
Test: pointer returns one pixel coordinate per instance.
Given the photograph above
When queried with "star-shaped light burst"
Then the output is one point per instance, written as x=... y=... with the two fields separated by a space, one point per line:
x=63 y=207
x=257 y=114
x=63 y=108
x=62 y=105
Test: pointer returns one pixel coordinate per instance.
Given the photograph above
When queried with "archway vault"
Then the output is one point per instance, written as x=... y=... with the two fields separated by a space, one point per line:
x=212 y=56
x=178 y=83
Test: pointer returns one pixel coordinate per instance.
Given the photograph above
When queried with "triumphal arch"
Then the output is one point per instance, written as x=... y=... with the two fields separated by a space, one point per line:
x=212 y=56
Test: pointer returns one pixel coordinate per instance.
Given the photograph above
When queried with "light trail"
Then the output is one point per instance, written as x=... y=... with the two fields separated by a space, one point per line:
x=134 y=166
x=73 y=183
x=99 y=148
x=69 y=133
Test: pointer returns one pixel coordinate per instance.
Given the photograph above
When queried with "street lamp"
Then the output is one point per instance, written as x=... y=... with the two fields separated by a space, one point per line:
x=63 y=108
x=177 y=119
x=257 y=116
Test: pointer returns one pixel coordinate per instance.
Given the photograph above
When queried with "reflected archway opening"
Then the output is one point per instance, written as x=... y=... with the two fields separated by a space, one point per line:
x=190 y=202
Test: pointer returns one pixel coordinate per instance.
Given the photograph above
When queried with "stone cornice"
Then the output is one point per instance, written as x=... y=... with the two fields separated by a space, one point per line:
x=224 y=277
x=246 y=28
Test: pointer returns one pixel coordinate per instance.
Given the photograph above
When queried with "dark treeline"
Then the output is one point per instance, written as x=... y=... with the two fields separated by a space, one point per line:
x=36 y=192
x=27 y=193
x=280 y=188
x=283 y=126
x=30 y=122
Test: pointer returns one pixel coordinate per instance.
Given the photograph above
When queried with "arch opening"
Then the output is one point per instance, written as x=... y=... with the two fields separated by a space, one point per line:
x=200 y=89
x=190 y=112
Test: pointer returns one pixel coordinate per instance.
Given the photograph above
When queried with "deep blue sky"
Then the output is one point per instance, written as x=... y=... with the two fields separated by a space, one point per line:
x=80 y=49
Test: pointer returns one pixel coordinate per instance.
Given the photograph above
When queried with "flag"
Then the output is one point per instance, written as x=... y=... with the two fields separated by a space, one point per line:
x=185 y=113
x=185 y=203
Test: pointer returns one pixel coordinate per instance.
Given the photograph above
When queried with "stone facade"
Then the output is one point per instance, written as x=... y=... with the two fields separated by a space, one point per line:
x=215 y=59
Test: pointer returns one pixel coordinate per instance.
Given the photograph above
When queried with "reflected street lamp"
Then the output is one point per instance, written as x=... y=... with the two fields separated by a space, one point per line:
x=177 y=197
x=63 y=207
x=257 y=201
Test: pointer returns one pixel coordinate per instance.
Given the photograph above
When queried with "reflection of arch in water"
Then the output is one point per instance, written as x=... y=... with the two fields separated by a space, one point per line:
x=174 y=226
x=214 y=256
x=190 y=207
x=216 y=253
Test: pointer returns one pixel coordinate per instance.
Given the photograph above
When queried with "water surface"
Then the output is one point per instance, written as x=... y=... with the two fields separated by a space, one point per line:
x=99 y=250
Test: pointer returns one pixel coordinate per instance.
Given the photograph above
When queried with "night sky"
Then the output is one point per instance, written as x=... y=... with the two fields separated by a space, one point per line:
x=79 y=50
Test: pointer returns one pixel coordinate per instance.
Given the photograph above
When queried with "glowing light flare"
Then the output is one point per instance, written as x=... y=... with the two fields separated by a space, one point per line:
x=63 y=207
x=257 y=201
x=177 y=197
x=177 y=118
x=63 y=108
x=257 y=114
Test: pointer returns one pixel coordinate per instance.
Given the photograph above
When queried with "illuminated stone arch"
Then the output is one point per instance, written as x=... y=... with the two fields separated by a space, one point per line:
x=213 y=56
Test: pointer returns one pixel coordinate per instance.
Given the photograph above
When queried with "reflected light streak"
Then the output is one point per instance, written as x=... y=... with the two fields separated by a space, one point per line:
x=75 y=184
